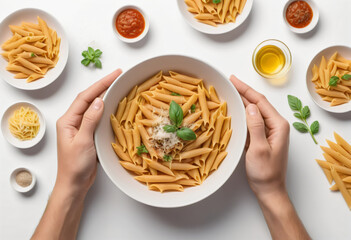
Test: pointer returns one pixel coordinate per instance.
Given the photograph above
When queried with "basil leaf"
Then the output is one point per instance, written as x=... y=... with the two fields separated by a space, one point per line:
x=141 y=149
x=294 y=103
x=333 y=81
x=186 y=134
x=85 y=54
x=32 y=54
x=300 y=127
x=85 y=62
x=346 y=77
x=91 y=51
x=170 y=128
x=314 y=127
x=97 y=53
x=192 y=108
x=175 y=94
x=97 y=63
x=167 y=158
x=175 y=114
x=298 y=115
x=216 y=1
x=305 y=112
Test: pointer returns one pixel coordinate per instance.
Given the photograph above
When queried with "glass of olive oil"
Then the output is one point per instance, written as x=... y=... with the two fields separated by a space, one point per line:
x=272 y=60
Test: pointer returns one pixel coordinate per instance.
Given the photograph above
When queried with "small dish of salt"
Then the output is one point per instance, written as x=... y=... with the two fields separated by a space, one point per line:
x=22 y=180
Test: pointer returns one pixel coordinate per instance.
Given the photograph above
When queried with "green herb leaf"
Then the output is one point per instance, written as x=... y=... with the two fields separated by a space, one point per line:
x=175 y=114
x=175 y=94
x=192 y=108
x=97 y=63
x=305 y=113
x=170 y=128
x=91 y=51
x=300 y=127
x=85 y=54
x=97 y=53
x=333 y=81
x=216 y=1
x=32 y=55
x=85 y=62
x=298 y=115
x=186 y=134
x=315 y=127
x=142 y=149
x=294 y=103
x=167 y=158
x=346 y=77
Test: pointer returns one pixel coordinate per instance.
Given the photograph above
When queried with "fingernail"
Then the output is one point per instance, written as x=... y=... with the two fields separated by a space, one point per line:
x=251 y=109
x=97 y=104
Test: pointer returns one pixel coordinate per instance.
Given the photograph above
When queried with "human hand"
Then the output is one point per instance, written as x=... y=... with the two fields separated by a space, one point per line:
x=267 y=153
x=77 y=160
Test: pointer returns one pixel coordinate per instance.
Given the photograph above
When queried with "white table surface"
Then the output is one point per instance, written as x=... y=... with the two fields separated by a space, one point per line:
x=232 y=212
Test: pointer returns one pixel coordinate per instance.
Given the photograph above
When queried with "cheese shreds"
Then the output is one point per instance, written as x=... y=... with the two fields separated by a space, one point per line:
x=24 y=124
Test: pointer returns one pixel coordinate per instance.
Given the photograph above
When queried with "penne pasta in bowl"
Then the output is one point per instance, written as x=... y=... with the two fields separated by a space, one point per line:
x=328 y=79
x=34 y=49
x=172 y=132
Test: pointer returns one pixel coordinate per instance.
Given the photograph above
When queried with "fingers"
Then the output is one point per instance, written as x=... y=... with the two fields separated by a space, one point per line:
x=256 y=126
x=91 y=118
x=84 y=99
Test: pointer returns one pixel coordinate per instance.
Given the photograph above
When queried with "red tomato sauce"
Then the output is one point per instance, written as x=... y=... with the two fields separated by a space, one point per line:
x=130 y=23
x=299 y=14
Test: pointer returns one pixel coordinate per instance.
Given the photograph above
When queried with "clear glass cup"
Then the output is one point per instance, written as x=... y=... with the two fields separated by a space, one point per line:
x=279 y=76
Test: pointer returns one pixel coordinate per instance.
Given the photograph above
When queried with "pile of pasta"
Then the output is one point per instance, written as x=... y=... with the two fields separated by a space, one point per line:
x=32 y=50
x=145 y=109
x=24 y=124
x=337 y=166
x=208 y=12
x=335 y=66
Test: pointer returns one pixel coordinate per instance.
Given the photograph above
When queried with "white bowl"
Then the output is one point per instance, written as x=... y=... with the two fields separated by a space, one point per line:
x=30 y=15
x=12 y=139
x=327 y=53
x=16 y=186
x=221 y=28
x=310 y=26
x=135 y=76
x=130 y=40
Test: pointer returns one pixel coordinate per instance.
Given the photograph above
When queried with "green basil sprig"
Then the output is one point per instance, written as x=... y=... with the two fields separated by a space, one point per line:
x=216 y=1
x=176 y=116
x=167 y=158
x=303 y=113
x=92 y=56
x=333 y=81
x=142 y=149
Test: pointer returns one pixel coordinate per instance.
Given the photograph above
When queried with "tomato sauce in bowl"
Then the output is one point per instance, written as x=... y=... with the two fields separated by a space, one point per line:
x=130 y=23
x=299 y=14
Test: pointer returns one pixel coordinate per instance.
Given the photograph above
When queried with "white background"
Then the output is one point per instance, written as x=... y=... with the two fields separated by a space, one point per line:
x=232 y=212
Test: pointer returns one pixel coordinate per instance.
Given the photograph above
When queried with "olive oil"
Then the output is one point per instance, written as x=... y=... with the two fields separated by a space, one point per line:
x=270 y=60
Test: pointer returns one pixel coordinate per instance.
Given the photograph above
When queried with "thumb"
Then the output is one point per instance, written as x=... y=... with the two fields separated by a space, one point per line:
x=91 y=117
x=256 y=125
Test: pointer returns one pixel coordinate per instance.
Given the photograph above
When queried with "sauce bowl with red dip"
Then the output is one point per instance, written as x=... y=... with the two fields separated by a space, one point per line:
x=130 y=24
x=301 y=16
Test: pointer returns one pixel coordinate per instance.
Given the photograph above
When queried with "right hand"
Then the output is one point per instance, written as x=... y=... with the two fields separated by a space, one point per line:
x=267 y=153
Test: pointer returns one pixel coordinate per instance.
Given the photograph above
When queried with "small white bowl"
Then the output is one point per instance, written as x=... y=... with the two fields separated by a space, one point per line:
x=12 y=139
x=310 y=26
x=30 y=15
x=135 y=76
x=130 y=40
x=221 y=28
x=327 y=53
x=18 y=187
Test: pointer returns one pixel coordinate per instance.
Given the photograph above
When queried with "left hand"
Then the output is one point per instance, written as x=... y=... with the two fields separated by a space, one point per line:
x=77 y=160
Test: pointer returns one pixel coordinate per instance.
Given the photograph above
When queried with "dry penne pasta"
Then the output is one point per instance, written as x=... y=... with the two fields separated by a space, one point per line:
x=33 y=50
x=164 y=137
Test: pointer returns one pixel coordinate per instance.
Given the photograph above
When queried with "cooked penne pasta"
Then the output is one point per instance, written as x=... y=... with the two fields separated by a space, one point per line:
x=149 y=139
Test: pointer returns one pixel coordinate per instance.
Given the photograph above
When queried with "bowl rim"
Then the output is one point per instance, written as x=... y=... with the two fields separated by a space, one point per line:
x=307 y=82
x=309 y=27
x=242 y=148
x=217 y=32
x=64 y=41
x=40 y=134
x=146 y=28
